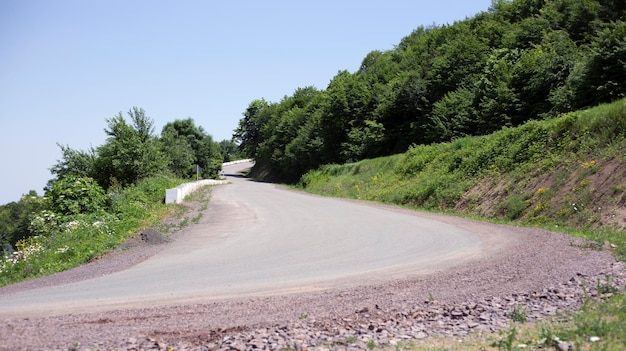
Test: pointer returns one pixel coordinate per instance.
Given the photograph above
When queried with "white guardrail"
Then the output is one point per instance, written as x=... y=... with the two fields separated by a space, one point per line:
x=177 y=194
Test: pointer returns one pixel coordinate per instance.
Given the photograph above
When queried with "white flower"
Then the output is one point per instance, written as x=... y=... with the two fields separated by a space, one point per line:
x=72 y=225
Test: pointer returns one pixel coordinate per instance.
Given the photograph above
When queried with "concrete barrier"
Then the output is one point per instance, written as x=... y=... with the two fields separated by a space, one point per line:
x=235 y=162
x=177 y=195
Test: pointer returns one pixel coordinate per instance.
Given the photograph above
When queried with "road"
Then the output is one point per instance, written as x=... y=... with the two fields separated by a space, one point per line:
x=257 y=239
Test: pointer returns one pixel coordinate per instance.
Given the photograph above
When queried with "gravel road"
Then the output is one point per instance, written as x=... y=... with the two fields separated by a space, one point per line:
x=469 y=282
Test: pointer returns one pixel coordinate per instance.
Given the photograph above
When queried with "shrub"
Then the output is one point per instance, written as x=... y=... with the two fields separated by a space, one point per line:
x=73 y=195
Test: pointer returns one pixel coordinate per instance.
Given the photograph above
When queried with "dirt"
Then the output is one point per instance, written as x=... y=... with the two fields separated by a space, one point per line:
x=588 y=194
x=536 y=261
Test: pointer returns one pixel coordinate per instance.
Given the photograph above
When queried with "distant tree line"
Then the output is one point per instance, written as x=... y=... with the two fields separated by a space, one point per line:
x=518 y=61
x=84 y=181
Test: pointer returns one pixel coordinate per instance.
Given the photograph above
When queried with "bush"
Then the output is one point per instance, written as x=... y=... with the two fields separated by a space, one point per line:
x=73 y=195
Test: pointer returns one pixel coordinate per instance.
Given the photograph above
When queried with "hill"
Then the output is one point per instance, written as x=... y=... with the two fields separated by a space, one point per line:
x=518 y=61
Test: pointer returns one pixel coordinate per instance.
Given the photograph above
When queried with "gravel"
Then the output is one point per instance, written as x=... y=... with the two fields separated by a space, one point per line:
x=537 y=275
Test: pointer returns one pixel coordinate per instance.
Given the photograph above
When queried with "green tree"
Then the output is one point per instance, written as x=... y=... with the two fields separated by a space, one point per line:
x=181 y=157
x=209 y=157
x=15 y=219
x=229 y=149
x=577 y=17
x=248 y=133
x=495 y=99
x=74 y=163
x=131 y=152
x=454 y=116
x=518 y=10
x=193 y=146
x=601 y=74
x=539 y=72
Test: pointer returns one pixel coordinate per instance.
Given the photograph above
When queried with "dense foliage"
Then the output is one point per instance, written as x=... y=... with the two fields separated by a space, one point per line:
x=518 y=61
x=133 y=152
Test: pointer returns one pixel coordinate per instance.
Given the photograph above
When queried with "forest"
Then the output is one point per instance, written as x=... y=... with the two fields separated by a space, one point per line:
x=518 y=61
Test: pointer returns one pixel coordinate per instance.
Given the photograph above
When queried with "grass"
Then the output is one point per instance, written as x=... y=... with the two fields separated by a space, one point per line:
x=79 y=239
x=557 y=174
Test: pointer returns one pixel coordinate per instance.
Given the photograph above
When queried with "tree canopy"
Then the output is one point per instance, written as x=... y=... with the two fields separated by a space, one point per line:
x=518 y=61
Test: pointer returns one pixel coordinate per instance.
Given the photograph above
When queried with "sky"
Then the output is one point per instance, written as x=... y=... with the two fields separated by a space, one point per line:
x=66 y=66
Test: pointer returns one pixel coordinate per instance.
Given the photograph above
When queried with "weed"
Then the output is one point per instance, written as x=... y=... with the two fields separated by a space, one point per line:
x=196 y=219
x=303 y=316
x=507 y=343
x=607 y=286
x=518 y=314
x=514 y=206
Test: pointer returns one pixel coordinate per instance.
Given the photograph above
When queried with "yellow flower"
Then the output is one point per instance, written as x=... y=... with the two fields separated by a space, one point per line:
x=587 y=165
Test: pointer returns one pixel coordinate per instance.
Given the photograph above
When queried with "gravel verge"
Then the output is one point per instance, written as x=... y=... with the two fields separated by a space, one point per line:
x=538 y=274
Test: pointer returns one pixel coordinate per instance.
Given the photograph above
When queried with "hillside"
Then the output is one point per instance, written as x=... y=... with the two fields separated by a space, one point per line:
x=567 y=173
x=518 y=61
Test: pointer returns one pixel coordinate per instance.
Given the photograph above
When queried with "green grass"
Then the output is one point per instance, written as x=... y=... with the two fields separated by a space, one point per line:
x=74 y=240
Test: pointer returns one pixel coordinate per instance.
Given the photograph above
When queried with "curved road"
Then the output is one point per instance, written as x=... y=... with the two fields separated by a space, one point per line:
x=256 y=239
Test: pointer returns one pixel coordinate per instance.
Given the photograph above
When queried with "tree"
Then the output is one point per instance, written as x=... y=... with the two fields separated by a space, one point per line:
x=495 y=100
x=190 y=145
x=454 y=116
x=131 y=152
x=350 y=104
x=180 y=155
x=15 y=219
x=577 y=17
x=74 y=163
x=229 y=149
x=601 y=76
x=539 y=71
x=248 y=133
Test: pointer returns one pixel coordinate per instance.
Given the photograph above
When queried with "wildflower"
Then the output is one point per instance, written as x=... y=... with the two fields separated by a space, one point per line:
x=72 y=225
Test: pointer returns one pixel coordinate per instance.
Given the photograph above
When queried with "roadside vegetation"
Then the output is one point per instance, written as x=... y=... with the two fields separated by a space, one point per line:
x=566 y=173
x=99 y=198
x=63 y=238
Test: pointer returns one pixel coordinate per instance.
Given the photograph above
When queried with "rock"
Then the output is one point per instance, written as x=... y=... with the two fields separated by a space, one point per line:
x=565 y=346
x=421 y=335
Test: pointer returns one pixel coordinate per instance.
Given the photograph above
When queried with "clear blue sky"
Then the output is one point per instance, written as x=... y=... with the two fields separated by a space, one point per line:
x=66 y=66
